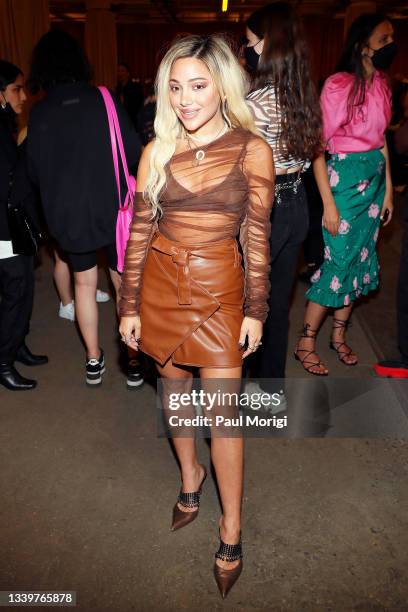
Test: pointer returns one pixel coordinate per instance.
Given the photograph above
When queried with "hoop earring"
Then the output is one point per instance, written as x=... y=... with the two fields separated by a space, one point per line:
x=3 y=102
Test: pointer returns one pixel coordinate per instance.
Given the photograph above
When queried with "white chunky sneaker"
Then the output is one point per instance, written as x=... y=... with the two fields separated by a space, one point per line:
x=102 y=296
x=67 y=311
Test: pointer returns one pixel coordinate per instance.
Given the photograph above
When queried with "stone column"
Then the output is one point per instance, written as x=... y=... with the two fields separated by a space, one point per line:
x=357 y=8
x=100 y=41
x=22 y=23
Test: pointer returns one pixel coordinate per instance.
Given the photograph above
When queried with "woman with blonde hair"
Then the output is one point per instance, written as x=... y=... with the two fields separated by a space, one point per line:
x=185 y=299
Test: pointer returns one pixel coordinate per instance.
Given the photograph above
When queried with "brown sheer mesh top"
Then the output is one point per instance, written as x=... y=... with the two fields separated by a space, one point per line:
x=229 y=193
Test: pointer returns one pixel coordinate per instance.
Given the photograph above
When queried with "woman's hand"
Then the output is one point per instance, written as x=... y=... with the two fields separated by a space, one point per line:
x=331 y=219
x=129 y=330
x=387 y=205
x=251 y=328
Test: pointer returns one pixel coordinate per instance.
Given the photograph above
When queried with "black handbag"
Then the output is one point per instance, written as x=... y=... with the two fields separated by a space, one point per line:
x=25 y=236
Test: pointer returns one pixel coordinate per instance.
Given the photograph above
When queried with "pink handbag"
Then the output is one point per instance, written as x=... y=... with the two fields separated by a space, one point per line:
x=125 y=212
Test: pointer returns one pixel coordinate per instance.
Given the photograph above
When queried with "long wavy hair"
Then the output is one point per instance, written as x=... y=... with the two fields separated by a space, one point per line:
x=284 y=63
x=231 y=83
x=351 y=59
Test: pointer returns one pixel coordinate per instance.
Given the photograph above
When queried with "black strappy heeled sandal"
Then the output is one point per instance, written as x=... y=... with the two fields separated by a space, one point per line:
x=226 y=578
x=188 y=500
x=336 y=346
x=305 y=333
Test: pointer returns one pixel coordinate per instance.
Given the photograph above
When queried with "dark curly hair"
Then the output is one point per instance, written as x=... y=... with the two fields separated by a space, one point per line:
x=285 y=64
x=57 y=58
x=351 y=59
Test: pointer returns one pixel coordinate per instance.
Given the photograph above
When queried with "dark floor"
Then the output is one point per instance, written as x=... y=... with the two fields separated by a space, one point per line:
x=88 y=487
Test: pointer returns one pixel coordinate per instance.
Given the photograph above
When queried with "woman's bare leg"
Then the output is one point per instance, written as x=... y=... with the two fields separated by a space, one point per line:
x=314 y=316
x=339 y=334
x=227 y=455
x=179 y=380
x=87 y=310
x=62 y=280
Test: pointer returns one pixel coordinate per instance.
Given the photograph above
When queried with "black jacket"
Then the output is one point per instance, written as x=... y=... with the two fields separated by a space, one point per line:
x=13 y=159
x=70 y=158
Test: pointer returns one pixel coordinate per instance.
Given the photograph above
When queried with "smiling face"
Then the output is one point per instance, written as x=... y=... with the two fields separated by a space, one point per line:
x=14 y=94
x=194 y=96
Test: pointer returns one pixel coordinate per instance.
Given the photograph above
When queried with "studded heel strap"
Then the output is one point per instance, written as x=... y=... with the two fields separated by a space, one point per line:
x=229 y=552
x=189 y=500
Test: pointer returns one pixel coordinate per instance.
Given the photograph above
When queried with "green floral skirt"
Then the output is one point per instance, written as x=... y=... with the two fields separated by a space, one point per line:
x=350 y=266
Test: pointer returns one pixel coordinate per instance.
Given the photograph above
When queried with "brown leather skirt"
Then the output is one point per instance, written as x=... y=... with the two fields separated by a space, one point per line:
x=192 y=303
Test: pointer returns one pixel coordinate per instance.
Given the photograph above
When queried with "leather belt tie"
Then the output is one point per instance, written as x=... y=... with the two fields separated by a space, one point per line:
x=181 y=259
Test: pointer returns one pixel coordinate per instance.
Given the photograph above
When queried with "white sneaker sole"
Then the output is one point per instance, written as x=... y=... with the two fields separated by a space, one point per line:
x=133 y=384
x=95 y=381
x=68 y=318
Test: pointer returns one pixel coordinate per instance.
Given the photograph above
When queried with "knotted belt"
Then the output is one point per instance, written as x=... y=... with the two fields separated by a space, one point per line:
x=179 y=256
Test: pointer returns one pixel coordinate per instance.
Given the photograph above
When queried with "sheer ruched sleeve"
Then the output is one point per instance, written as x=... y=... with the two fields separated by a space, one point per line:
x=142 y=229
x=255 y=229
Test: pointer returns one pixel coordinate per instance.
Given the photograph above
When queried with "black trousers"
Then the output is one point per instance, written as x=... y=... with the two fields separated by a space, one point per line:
x=402 y=291
x=16 y=293
x=314 y=244
x=290 y=221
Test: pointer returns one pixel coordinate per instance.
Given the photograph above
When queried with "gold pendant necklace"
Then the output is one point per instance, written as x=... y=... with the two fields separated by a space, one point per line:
x=200 y=153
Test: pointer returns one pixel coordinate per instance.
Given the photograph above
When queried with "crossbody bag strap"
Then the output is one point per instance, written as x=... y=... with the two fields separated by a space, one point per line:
x=115 y=119
x=121 y=147
x=108 y=105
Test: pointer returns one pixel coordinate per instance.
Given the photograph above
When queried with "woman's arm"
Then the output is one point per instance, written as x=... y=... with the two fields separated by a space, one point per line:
x=331 y=217
x=141 y=233
x=388 y=198
x=254 y=238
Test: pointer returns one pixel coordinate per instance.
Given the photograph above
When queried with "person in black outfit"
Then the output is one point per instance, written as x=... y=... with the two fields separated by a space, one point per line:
x=16 y=270
x=129 y=92
x=398 y=368
x=70 y=158
x=313 y=246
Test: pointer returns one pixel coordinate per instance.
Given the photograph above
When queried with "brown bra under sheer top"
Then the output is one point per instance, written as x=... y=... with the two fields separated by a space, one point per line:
x=228 y=194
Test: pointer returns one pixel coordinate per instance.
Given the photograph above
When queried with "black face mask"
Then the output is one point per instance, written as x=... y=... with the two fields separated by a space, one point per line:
x=251 y=58
x=383 y=58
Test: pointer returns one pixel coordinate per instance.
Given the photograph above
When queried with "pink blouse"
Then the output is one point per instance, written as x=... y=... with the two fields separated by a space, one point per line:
x=366 y=129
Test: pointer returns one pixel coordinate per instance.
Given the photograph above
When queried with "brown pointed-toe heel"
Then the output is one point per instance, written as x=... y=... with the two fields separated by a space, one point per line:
x=226 y=578
x=188 y=500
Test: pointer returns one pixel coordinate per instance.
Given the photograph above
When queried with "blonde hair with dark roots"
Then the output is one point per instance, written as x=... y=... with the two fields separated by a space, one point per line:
x=231 y=83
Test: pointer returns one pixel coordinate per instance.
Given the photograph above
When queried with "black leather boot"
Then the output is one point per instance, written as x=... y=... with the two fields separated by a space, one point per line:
x=11 y=379
x=24 y=355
